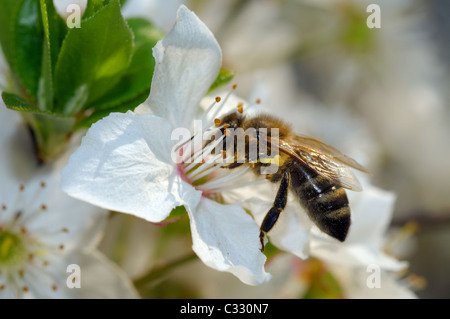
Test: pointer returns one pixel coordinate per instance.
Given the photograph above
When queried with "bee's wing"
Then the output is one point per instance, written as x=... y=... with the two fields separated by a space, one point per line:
x=309 y=144
x=325 y=159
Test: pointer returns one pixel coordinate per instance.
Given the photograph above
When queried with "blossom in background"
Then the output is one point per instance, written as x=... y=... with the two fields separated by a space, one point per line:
x=160 y=12
x=43 y=231
x=125 y=161
x=66 y=7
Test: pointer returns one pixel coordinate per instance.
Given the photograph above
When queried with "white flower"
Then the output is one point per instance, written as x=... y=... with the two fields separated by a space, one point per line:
x=125 y=160
x=43 y=231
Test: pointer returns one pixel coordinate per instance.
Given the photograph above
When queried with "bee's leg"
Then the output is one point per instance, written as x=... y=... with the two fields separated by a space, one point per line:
x=232 y=165
x=278 y=206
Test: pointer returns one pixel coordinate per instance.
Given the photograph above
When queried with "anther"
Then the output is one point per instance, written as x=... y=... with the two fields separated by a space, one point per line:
x=2 y=287
x=258 y=101
x=218 y=98
x=21 y=272
x=226 y=125
x=21 y=188
x=54 y=288
x=226 y=132
x=43 y=184
x=234 y=86
x=217 y=122
x=25 y=289
x=43 y=207
x=4 y=207
x=61 y=247
x=240 y=107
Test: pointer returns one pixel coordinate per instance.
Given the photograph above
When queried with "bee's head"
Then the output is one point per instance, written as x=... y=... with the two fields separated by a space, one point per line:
x=233 y=120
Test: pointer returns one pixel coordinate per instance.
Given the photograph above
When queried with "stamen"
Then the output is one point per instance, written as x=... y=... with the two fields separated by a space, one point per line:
x=227 y=179
x=203 y=166
x=222 y=105
x=231 y=187
x=240 y=107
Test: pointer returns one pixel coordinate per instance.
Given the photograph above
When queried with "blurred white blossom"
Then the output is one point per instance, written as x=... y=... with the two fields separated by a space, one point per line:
x=43 y=231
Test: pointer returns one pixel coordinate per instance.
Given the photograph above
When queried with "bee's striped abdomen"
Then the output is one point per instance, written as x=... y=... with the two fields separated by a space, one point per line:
x=325 y=202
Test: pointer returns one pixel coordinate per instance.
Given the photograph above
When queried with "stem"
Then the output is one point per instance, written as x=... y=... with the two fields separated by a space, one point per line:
x=159 y=271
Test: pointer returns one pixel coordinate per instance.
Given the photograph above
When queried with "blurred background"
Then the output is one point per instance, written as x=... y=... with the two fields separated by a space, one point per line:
x=380 y=95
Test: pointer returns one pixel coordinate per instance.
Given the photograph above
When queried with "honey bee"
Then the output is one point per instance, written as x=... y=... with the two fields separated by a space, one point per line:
x=313 y=171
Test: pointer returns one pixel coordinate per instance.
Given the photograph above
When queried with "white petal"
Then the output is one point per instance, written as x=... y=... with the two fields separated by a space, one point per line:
x=101 y=278
x=124 y=164
x=360 y=283
x=371 y=212
x=188 y=60
x=226 y=238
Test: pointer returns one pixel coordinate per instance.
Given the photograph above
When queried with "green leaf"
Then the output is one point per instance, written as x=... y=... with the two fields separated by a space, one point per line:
x=223 y=78
x=16 y=103
x=7 y=14
x=54 y=31
x=51 y=131
x=138 y=77
x=99 y=114
x=92 y=7
x=27 y=45
x=92 y=60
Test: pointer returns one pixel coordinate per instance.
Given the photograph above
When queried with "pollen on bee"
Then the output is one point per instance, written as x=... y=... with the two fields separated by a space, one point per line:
x=240 y=107
x=217 y=122
x=218 y=99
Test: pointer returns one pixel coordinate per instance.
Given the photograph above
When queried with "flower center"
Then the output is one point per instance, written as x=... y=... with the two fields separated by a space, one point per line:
x=12 y=248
